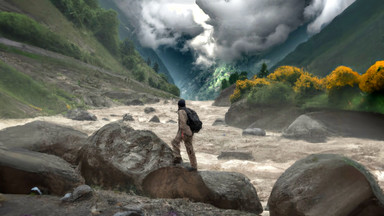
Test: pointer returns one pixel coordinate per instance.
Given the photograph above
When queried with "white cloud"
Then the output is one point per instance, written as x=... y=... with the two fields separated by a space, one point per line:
x=226 y=29
x=324 y=11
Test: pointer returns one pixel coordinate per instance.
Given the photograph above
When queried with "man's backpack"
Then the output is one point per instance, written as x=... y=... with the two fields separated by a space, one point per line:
x=193 y=120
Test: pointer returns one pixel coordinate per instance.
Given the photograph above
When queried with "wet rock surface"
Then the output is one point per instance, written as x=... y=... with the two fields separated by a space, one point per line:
x=326 y=184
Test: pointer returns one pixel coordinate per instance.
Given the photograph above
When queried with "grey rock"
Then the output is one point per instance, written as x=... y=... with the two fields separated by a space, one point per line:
x=171 y=121
x=128 y=213
x=236 y=155
x=96 y=100
x=67 y=197
x=135 y=102
x=105 y=119
x=351 y=123
x=221 y=189
x=22 y=170
x=254 y=132
x=45 y=137
x=128 y=117
x=223 y=99
x=326 y=184
x=219 y=122
x=82 y=192
x=244 y=115
x=80 y=115
x=155 y=119
x=306 y=128
x=149 y=110
x=117 y=156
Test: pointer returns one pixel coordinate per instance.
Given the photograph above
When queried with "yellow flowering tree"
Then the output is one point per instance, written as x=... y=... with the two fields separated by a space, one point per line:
x=308 y=85
x=286 y=74
x=373 y=80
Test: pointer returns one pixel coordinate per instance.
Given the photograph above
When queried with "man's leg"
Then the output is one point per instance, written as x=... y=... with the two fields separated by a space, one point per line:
x=176 y=150
x=190 y=151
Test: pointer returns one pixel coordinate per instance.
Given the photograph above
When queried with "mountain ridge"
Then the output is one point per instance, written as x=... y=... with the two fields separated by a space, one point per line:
x=354 y=39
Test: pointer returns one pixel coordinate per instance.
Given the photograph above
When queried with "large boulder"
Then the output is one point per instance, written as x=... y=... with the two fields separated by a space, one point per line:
x=351 y=123
x=221 y=189
x=21 y=170
x=80 y=115
x=244 y=115
x=223 y=99
x=316 y=126
x=307 y=128
x=45 y=137
x=326 y=184
x=117 y=156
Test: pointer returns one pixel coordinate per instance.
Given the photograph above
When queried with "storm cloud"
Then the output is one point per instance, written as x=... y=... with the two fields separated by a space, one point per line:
x=228 y=29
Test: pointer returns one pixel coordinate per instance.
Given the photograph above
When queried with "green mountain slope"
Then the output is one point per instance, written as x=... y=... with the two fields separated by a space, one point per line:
x=49 y=65
x=355 y=38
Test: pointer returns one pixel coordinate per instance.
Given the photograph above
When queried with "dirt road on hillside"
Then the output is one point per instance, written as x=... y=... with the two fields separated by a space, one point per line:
x=272 y=153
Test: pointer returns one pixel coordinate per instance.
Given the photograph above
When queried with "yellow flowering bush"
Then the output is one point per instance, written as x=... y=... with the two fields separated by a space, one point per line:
x=287 y=74
x=243 y=86
x=342 y=76
x=373 y=79
x=308 y=84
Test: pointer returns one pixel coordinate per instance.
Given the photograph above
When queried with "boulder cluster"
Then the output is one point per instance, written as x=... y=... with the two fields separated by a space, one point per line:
x=61 y=161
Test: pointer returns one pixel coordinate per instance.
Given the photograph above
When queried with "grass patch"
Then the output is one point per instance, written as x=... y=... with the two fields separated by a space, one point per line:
x=35 y=95
x=22 y=28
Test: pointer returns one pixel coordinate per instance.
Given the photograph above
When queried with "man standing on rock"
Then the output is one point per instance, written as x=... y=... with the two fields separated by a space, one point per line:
x=183 y=134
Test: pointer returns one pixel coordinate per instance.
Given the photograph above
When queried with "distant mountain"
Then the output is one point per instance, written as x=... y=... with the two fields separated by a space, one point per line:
x=127 y=29
x=275 y=54
x=355 y=38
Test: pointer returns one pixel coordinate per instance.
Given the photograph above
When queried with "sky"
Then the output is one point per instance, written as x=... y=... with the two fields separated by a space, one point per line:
x=226 y=29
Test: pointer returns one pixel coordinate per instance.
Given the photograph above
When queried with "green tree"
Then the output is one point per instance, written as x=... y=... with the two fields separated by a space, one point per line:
x=224 y=84
x=243 y=75
x=149 y=63
x=263 y=71
x=127 y=47
x=156 y=67
x=233 y=78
